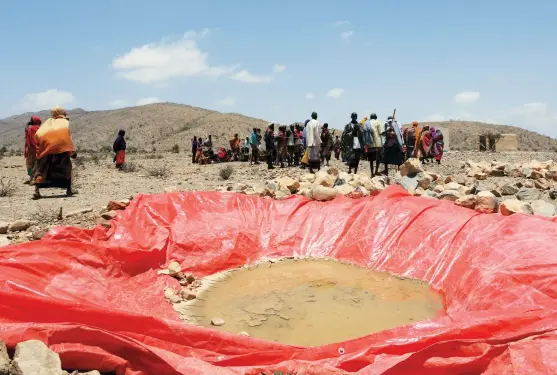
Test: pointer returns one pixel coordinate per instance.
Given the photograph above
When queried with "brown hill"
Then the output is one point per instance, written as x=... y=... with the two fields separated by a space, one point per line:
x=161 y=126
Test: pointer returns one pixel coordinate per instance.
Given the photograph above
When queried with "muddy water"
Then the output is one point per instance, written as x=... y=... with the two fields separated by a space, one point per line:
x=315 y=302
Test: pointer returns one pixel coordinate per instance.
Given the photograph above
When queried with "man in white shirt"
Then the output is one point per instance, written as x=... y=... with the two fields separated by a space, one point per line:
x=313 y=142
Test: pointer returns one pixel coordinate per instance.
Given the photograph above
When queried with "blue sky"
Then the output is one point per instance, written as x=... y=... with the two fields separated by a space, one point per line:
x=280 y=60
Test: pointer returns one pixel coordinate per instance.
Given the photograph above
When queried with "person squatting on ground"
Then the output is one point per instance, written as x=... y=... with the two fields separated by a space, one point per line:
x=30 y=152
x=352 y=143
x=119 y=148
x=270 y=145
x=326 y=144
x=373 y=143
x=313 y=141
x=54 y=150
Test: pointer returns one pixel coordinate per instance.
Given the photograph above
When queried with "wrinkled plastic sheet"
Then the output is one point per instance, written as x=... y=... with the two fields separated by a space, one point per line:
x=94 y=296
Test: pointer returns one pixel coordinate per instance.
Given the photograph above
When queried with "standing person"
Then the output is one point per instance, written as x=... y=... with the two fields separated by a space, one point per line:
x=209 y=147
x=290 y=145
x=54 y=150
x=254 y=143
x=392 y=150
x=373 y=142
x=352 y=143
x=282 y=145
x=326 y=144
x=424 y=144
x=410 y=139
x=119 y=148
x=297 y=145
x=235 y=146
x=193 y=149
x=259 y=144
x=199 y=150
x=438 y=146
x=336 y=147
x=270 y=145
x=313 y=141
x=304 y=161
x=31 y=145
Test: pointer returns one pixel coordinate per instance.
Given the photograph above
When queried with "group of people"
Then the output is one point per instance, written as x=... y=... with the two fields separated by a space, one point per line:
x=48 y=152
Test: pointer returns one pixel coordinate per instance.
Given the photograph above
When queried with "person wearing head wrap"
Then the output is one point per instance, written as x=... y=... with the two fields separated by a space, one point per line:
x=393 y=151
x=270 y=145
x=424 y=144
x=437 y=146
x=54 y=150
x=31 y=144
x=298 y=146
x=326 y=144
x=410 y=139
x=119 y=148
x=352 y=143
x=313 y=143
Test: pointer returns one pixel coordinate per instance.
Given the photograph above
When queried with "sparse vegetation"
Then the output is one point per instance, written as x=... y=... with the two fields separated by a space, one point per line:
x=175 y=149
x=161 y=171
x=95 y=158
x=106 y=149
x=128 y=167
x=47 y=215
x=226 y=172
x=7 y=187
x=153 y=156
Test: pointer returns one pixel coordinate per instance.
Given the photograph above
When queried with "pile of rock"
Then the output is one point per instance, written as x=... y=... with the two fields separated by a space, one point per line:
x=324 y=185
x=111 y=211
x=33 y=357
x=188 y=282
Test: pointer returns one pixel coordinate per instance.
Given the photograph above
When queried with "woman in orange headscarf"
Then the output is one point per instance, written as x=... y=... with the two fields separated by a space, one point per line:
x=54 y=150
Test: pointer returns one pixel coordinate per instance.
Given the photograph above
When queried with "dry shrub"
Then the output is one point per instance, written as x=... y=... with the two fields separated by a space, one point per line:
x=175 y=149
x=95 y=158
x=161 y=171
x=128 y=167
x=7 y=187
x=226 y=172
x=47 y=215
x=153 y=156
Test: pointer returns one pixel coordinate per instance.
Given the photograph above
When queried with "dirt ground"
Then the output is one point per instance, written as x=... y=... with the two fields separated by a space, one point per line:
x=97 y=181
x=309 y=302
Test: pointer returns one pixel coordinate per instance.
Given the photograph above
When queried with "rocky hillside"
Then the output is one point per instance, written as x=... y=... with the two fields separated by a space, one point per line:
x=161 y=126
x=464 y=135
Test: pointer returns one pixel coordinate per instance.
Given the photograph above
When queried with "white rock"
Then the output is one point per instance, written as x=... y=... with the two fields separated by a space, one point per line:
x=486 y=202
x=20 y=225
x=322 y=193
x=453 y=186
x=439 y=189
x=345 y=189
x=289 y=183
x=4 y=359
x=512 y=206
x=468 y=201
x=79 y=212
x=324 y=179
x=35 y=358
x=543 y=208
x=411 y=167
x=217 y=322
x=449 y=195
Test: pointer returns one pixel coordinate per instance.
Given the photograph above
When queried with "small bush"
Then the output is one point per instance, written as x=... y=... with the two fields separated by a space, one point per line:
x=160 y=171
x=128 y=167
x=226 y=172
x=153 y=156
x=175 y=149
x=47 y=215
x=95 y=159
x=106 y=149
x=7 y=187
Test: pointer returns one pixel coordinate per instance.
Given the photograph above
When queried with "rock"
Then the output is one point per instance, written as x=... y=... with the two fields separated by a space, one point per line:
x=280 y=195
x=323 y=193
x=536 y=174
x=308 y=177
x=528 y=195
x=468 y=201
x=190 y=278
x=217 y=322
x=419 y=192
x=35 y=358
x=4 y=227
x=543 y=208
x=497 y=173
x=509 y=189
x=4 y=241
x=4 y=359
x=480 y=176
x=109 y=215
x=411 y=167
x=259 y=189
x=439 y=189
x=20 y=225
x=174 y=268
x=243 y=333
x=37 y=234
x=270 y=188
x=528 y=184
x=289 y=183
x=453 y=186
x=333 y=171
x=430 y=194
x=425 y=181
x=116 y=205
x=486 y=202
x=306 y=192
x=104 y=223
x=496 y=193
x=345 y=189
x=553 y=194
x=449 y=195
x=324 y=179
x=513 y=171
x=449 y=179
x=542 y=184
x=409 y=183
x=345 y=176
x=171 y=296
x=513 y=206
x=171 y=189
x=434 y=176
x=460 y=179
x=379 y=181
x=188 y=294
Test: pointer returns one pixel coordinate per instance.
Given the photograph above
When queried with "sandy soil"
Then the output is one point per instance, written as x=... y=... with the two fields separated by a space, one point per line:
x=311 y=302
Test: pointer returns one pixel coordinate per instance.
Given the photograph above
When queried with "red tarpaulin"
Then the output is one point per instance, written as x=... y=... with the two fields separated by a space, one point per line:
x=94 y=296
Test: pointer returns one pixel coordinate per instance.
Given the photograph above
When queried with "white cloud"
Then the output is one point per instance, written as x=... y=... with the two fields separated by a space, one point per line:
x=44 y=100
x=335 y=93
x=228 y=101
x=435 y=117
x=158 y=62
x=467 y=97
x=247 y=77
x=341 y=23
x=119 y=103
x=530 y=109
x=309 y=96
x=146 y=101
x=279 y=68
x=346 y=34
